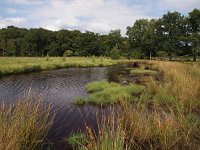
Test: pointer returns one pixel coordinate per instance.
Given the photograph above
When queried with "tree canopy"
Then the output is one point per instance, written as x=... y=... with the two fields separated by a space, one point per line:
x=171 y=35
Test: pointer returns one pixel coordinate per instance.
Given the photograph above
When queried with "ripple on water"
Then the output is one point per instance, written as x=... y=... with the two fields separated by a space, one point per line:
x=59 y=87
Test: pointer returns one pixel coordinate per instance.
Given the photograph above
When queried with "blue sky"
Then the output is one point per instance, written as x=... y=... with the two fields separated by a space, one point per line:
x=94 y=15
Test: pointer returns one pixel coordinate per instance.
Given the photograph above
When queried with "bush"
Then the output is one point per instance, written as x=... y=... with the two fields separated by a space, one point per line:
x=114 y=53
x=68 y=53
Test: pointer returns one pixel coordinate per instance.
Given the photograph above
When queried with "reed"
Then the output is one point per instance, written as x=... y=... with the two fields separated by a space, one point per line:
x=165 y=117
x=24 y=125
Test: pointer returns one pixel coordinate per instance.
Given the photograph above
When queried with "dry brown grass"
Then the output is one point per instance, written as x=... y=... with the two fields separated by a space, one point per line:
x=181 y=82
x=158 y=129
x=24 y=125
x=165 y=118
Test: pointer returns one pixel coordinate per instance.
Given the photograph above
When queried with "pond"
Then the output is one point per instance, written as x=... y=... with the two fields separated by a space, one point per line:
x=60 y=87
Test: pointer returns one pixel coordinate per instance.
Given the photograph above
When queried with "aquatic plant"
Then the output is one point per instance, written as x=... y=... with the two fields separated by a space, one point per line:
x=79 y=101
x=103 y=92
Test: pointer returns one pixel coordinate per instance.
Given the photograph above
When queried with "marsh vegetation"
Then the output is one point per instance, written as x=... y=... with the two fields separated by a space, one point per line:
x=166 y=116
x=15 y=65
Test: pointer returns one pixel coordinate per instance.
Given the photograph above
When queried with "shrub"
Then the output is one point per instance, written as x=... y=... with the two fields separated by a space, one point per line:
x=114 y=53
x=68 y=53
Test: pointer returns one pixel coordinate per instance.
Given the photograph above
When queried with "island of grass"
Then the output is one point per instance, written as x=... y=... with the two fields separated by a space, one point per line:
x=104 y=92
x=142 y=70
x=15 y=65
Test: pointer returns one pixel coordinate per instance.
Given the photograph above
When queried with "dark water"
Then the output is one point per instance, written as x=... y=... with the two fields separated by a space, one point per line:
x=60 y=87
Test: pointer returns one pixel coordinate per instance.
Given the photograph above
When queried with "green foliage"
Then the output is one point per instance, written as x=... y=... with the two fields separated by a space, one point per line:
x=68 y=53
x=114 y=53
x=173 y=33
x=78 y=141
x=162 y=54
x=137 y=54
x=47 y=57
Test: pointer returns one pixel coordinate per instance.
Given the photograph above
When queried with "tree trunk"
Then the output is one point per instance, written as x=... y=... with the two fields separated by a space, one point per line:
x=194 y=58
x=150 y=56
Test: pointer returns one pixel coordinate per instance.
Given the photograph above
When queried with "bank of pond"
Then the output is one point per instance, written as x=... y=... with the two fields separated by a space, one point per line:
x=139 y=105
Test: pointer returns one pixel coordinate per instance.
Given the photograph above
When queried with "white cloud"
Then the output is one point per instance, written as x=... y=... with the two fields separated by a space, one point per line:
x=18 y=21
x=186 y=5
x=28 y=2
x=94 y=15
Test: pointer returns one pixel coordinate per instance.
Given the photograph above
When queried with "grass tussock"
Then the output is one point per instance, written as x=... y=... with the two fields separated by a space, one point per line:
x=103 y=92
x=24 y=125
x=14 y=65
x=145 y=72
x=79 y=101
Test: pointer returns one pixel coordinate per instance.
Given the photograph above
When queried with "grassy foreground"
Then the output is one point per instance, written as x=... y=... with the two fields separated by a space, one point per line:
x=24 y=125
x=166 y=116
x=14 y=65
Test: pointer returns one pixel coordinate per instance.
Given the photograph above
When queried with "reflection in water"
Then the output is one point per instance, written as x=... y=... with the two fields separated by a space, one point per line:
x=60 y=87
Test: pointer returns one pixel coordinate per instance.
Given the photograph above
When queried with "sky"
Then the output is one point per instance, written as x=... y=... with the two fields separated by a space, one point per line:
x=99 y=16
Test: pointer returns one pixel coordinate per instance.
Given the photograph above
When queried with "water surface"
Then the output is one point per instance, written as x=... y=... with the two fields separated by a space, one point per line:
x=60 y=87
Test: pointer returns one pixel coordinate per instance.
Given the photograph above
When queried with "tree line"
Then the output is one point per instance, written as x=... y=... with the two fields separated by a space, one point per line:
x=171 y=35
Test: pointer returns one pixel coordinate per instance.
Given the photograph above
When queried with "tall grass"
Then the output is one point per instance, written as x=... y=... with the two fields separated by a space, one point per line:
x=181 y=84
x=166 y=116
x=110 y=134
x=24 y=125
x=159 y=129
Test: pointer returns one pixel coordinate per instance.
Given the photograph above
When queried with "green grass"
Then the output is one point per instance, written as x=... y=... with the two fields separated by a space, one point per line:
x=165 y=117
x=103 y=92
x=143 y=71
x=78 y=141
x=79 y=101
x=14 y=65
x=24 y=125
